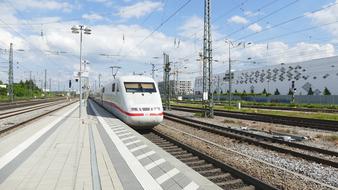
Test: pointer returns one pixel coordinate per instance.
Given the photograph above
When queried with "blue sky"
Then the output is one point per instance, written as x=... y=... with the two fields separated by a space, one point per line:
x=122 y=28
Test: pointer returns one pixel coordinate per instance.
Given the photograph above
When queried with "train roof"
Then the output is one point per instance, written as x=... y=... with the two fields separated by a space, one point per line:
x=135 y=78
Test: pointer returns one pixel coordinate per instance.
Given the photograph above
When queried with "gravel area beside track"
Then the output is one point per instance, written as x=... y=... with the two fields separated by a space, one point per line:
x=277 y=177
x=312 y=134
x=8 y=122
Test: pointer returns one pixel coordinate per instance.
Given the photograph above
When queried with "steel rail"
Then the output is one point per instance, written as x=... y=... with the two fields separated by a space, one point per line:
x=2 y=131
x=255 y=139
x=225 y=168
x=328 y=125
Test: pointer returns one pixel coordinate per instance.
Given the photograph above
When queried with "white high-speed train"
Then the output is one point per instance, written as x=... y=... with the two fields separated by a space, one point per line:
x=133 y=99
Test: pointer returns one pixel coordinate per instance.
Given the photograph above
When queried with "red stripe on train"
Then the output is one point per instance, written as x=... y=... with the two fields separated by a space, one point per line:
x=132 y=114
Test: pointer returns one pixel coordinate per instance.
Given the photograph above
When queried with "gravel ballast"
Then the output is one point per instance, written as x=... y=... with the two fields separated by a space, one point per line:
x=278 y=177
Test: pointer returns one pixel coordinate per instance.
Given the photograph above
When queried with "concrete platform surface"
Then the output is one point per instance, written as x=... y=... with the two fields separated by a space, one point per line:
x=60 y=151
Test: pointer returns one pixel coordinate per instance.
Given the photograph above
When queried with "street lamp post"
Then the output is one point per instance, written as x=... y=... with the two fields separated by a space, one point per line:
x=76 y=30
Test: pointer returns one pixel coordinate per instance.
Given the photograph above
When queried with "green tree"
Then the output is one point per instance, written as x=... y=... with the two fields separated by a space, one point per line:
x=310 y=92
x=277 y=92
x=264 y=91
x=326 y=92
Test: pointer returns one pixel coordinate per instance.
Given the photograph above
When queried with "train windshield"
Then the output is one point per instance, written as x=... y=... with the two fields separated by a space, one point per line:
x=140 y=87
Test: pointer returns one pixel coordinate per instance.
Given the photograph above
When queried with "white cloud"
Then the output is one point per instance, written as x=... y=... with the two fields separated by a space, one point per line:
x=140 y=9
x=252 y=14
x=238 y=20
x=44 y=4
x=92 y=16
x=255 y=27
x=191 y=27
x=328 y=15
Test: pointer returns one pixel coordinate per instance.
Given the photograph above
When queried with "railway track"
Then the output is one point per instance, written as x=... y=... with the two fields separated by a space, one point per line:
x=216 y=171
x=5 y=106
x=285 y=120
x=5 y=130
x=13 y=113
x=323 y=110
x=309 y=153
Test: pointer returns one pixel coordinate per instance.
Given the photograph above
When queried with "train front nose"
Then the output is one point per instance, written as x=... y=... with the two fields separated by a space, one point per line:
x=148 y=120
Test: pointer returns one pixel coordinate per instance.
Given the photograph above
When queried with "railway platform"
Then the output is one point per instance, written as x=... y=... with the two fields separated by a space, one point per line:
x=60 y=151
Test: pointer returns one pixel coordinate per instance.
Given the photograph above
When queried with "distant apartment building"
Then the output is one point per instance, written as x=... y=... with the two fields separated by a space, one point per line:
x=177 y=87
x=313 y=75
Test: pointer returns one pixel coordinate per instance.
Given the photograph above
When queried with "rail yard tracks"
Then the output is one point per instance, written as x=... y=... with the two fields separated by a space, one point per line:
x=18 y=104
x=286 y=120
x=309 y=153
x=26 y=110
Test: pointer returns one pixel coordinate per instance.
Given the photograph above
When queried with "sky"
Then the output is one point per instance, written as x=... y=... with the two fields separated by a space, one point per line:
x=134 y=34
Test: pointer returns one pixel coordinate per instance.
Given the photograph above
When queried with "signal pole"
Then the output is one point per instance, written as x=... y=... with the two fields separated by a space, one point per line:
x=99 y=81
x=207 y=64
x=50 y=85
x=10 y=74
x=45 y=85
x=166 y=76
x=31 y=84
x=153 y=70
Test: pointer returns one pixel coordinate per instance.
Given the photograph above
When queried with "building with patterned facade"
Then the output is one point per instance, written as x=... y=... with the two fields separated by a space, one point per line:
x=314 y=75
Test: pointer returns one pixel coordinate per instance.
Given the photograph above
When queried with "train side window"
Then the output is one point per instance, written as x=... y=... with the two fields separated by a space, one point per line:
x=117 y=88
x=113 y=87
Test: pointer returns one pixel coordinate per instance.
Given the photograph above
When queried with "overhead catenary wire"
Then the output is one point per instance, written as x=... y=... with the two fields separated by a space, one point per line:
x=286 y=22
x=165 y=21
x=282 y=23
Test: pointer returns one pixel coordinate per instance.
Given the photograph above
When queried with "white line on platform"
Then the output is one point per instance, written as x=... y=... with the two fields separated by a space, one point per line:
x=138 y=148
x=154 y=164
x=191 y=186
x=140 y=157
x=121 y=131
x=163 y=178
x=124 y=134
x=127 y=138
x=133 y=142
x=4 y=160
x=142 y=175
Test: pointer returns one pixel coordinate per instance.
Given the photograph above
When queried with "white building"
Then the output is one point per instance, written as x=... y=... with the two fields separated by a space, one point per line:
x=315 y=74
x=177 y=87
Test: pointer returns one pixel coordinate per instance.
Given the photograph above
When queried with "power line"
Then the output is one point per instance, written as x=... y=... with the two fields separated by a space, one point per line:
x=264 y=17
x=285 y=22
x=230 y=10
x=165 y=21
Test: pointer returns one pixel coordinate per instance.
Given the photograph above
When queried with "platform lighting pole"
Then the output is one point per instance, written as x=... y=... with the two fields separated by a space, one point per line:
x=76 y=30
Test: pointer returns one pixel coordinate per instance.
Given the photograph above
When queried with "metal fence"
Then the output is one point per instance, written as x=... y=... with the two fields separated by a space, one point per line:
x=299 y=99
